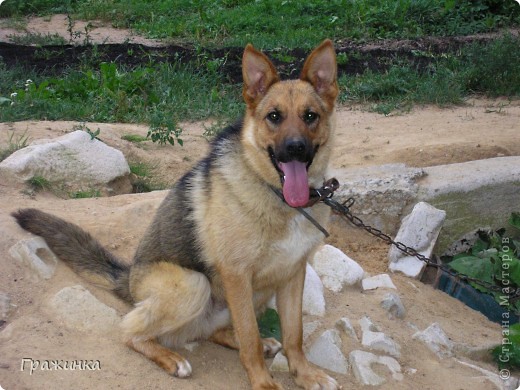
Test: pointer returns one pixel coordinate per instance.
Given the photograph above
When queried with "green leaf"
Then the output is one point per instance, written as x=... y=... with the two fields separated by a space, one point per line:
x=480 y=245
x=269 y=325
x=514 y=220
x=475 y=267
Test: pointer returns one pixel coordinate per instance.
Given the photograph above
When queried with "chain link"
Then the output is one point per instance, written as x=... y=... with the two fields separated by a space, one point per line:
x=343 y=209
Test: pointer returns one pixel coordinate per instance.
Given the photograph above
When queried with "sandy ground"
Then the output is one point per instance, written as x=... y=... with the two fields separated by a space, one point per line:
x=425 y=136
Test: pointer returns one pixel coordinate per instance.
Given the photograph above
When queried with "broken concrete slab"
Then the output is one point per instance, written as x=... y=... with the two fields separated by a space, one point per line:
x=326 y=352
x=336 y=269
x=35 y=254
x=280 y=363
x=377 y=281
x=436 y=340
x=419 y=230
x=393 y=305
x=313 y=298
x=77 y=308
x=378 y=341
x=74 y=161
x=473 y=194
x=361 y=363
x=381 y=193
x=345 y=325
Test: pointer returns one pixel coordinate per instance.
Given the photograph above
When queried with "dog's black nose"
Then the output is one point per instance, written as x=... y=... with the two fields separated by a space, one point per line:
x=295 y=148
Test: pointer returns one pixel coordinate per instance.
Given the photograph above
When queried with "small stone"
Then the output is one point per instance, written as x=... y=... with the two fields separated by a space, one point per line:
x=378 y=341
x=344 y=325
x=81 y=310
x=309 y=328
x=313 y=298
x=436 y=340
x=362 y=362
x=326 y=352
x=279 y=363
x=34 y=253
x=393 y=305
x=378 y=281
x=336 y=269
x=367 y=325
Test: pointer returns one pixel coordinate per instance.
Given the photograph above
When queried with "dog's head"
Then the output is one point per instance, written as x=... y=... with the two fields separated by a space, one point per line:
x=288 y=123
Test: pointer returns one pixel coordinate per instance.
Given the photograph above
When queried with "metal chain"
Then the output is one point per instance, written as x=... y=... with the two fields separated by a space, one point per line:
x=343 y=209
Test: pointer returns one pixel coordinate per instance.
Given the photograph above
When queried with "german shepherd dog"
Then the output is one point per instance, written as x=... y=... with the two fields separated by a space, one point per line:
x=223 y=243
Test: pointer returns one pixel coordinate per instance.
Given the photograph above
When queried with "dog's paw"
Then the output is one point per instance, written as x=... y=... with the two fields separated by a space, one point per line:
x=314 y=379
x=175 y=365
x=270 y=385
x=271 y=347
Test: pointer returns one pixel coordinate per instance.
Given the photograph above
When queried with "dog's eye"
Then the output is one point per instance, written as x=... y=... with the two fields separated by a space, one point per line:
x=274 y=116
x=310 y=117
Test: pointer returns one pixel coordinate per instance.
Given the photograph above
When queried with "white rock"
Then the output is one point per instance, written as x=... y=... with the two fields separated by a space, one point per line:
x=34 y=253
x=74 y=160
x=326 y=352
x=362 y=362
x=344 y=325
x=418 y=230
x=378 y=281
x=81 y=310
x=309 y=328
x=313 y=298
x=336 y=269
x=436 y=340
x=366 y=324
x=393 y=305
x=378 y=341
x=279 y=363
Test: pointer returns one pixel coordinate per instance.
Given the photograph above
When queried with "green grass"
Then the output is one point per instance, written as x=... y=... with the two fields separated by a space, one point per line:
x=162 y=95
x=14 y=142
x=288 y=23
x=38 y=39
x=39 y=183
x=134 y=138
x=82 y=194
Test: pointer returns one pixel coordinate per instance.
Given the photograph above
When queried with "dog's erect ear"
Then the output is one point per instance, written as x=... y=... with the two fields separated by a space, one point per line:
x=258 y=74
x=320 y=70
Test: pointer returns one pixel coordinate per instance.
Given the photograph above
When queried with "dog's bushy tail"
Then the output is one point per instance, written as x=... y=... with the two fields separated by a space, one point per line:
x=78 y=249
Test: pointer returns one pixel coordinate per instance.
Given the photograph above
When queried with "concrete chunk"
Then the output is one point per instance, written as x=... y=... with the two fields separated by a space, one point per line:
x=81 y=310
x=34 y=253
x=419 y=230
x=326 y=352
x=336 y=269
x=362 y=362
x=279 y=363
x=313 y=298
x=393 y=305
x=436 y=340
x=378 y=281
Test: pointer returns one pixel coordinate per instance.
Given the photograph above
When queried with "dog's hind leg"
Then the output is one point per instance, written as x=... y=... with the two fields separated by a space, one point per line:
x=227 y=338
x=171 y=300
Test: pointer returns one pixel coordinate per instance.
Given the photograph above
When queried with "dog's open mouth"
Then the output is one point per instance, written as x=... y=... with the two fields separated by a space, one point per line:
x=295 y=180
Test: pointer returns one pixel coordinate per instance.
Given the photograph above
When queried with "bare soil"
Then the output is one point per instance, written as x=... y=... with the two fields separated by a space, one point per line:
x=423 y=137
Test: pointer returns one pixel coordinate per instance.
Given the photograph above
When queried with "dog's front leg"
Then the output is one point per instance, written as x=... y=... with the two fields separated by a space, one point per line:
x=289 y=303
x=239 y=295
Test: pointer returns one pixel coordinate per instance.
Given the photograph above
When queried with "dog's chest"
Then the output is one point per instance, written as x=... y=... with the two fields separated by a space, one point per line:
x=285 y=255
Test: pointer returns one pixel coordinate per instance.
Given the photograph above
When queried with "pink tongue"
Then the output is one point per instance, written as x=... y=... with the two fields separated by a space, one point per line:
x=296 y=184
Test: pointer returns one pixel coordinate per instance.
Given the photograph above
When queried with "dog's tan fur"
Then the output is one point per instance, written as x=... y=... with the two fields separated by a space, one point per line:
x=246 y=244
